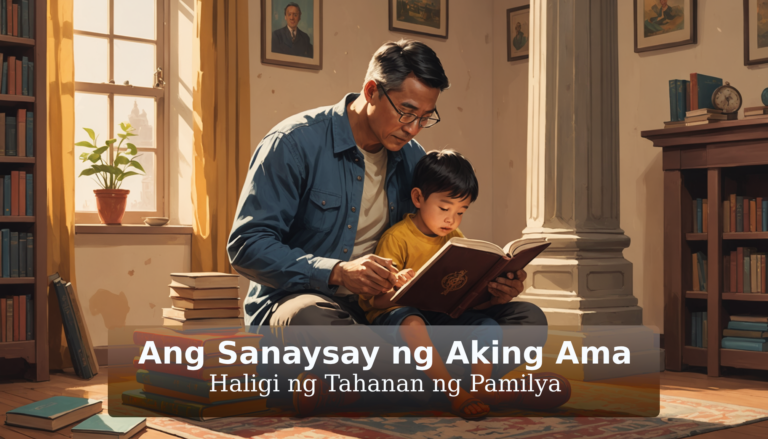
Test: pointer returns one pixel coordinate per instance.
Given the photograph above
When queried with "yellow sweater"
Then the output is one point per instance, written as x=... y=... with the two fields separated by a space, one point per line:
x=408 y=248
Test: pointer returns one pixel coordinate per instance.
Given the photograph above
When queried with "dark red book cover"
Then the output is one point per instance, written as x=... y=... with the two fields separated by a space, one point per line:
x=15 y=19
x=22 y=317
x=9 y=16
x=740 y=270
x=14 y=193
x=745 y=215
x=733 y=212
x=22 y=184
x=11 y=77
x=734 y=273
x=694 y=91
x=21 y=132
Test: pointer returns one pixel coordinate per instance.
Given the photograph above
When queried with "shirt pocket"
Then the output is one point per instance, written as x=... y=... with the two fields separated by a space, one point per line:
x=322 y=210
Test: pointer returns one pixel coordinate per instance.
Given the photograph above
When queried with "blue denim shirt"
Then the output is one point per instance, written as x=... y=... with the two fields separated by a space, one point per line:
x=298 y=211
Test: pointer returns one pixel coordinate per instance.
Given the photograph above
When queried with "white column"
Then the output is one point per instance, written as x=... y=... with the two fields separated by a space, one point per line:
x=573 y=166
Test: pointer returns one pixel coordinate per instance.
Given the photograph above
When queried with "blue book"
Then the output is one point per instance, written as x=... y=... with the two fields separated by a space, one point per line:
x=3 y=18
x=702 y=260
x=30 y=318
x=6 y=250
x=7 y=195
x=748 y=326
x=745 y=344
x=4 y=86
x=105 y=425
x=31 y=79
x=30 y=134
x=673 y=100
x=681 y=98
x=22 y=254
x=747 y=271
x=29 y=198
x=699 y=217
x=72 y=332
x=10 y=135
x=49 y=414
x=24 y=20
x=30 y=255
x=706 y=86
x=24 y=74
x=14 y=253
x=739 y=214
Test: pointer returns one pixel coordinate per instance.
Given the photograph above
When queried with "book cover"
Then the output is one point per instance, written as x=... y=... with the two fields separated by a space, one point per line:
x=9 y=16
x=695 y=272
x=3 y=311
x=9 y=318
x=748 y=326
x=82 y=327
x=22 y=254
x=28 y=195
x=746 y=214
x=22 y=317
x=53 y=413
x=30 y=318
x=11 y=75
x=673 y=100
x=7 y=195
x=15 y=19
x=3 y=17
x=694 y=92
x=699 y=216
x=745 y=344
x=18 y=77
x=4 y=85
x=747 y=274
x=24 y=22
x=727 y=273
x=680 y=88
x=726 y=216
x=752 y=216
x=10 y=135
x=191 y=410
x=704 y=216
x=30 y=255
x=706 y=86
x=119 y=427
x=6 y=237
x=72 y=333
x=14 y=254
x=24 y=76
x=30 y=134
x=21 y=186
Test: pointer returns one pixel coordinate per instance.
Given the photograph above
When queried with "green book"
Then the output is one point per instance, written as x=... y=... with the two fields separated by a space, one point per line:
x=101 y=426
x=24 y=74
x=14 y=254
x=53 y=413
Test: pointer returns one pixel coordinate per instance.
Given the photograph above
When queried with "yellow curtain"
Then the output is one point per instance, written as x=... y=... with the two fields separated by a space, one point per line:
x=60 y=166
x=221 y=105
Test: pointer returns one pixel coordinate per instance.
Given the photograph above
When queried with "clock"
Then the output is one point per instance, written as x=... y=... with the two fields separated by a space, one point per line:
x=726 y=98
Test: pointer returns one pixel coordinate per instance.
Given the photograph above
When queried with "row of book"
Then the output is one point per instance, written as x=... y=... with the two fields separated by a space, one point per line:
x=699 y=329
x=75 y=329
x=17 y=18
x=56 y=412
x=17 y=76
x=16 y=192
x=17 y=134
x=16 y=318
x=690 y=95
x=746 y=333
x=17 y=250
x=203 y=300
x=699 y=271
x=745 y=214
x=744 y=271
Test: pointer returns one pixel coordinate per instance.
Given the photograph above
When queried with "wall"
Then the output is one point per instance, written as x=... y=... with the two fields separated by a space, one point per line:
x=644 y=105
x=353 y=30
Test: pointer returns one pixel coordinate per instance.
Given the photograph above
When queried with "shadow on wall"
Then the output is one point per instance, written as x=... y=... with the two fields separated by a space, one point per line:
x=112 y=307
x=651 y=203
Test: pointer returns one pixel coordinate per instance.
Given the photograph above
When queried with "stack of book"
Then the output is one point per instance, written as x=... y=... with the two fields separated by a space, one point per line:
x=17 y=18
x=16 y=194
x=745 y=214
x=176 y=390
x=699 y=329
x=744 y=271
x=756 y=112
x=16 y=318
x=699 y=271
x=17 y=250
x=704 y=116
x=746 y=333
x=203 y=300
x=688 y=96
x=17 y=134
x=700 y=215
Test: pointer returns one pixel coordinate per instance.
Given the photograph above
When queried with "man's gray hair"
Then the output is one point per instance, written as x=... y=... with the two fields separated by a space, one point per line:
x=393 y=61
x=291 y=4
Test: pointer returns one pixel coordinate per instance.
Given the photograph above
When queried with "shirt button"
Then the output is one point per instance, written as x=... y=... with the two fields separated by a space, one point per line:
x=353 y=209
x=345 y=250
x=349 y=226
x=359 y=178
x=323 y=202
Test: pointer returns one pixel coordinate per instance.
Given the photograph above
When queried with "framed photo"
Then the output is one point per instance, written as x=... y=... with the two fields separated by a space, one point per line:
x=292 y=33
x=661 y=24
x=755 y=32
x=518 y=32
x=423 y=17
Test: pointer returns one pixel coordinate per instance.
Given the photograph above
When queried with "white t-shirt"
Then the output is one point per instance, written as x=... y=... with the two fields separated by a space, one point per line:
x=374 y=214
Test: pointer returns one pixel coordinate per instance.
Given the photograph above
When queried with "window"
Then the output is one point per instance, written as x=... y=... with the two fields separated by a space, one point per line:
x=119 y=48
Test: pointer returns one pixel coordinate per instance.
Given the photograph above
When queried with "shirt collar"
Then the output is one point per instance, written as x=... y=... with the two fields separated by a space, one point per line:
x=343 y=139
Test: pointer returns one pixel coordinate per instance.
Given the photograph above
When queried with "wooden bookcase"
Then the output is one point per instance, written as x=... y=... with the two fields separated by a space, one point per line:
x=708 y=161
x=35 y=351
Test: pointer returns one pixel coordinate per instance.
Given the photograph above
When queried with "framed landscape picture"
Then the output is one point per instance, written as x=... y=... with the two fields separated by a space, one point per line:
x=423 y=17
x=292 y=33
x=518 y=32
x=660 y=24
x=755 y=32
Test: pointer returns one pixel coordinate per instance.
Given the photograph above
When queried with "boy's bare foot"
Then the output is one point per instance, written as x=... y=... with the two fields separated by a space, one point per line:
x=468 y=407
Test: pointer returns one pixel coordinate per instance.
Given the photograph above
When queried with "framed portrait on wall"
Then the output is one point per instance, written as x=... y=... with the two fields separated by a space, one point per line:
x=661 y=24
x=518 y=32
x=755 y=32
x=423 y=17
x=292 y=33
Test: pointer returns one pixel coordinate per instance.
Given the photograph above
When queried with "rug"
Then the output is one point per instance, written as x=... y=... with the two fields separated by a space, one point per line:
x=678 y=418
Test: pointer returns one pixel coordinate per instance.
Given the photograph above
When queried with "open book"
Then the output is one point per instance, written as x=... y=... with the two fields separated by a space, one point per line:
x=456 y=278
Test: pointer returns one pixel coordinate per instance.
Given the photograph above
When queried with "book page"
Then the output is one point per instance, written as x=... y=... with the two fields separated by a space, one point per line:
x=521 y=244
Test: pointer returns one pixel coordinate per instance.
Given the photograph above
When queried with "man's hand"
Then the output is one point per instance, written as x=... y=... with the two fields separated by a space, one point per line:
x=370 y=274
x=504 y=289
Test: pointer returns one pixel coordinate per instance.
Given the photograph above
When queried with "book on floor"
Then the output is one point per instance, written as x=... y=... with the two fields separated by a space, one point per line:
x=108 y=427
x=206 y=279
x=456 y=278
x=53 y=413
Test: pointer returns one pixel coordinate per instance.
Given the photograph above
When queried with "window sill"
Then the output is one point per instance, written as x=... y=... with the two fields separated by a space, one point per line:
x=131 y=229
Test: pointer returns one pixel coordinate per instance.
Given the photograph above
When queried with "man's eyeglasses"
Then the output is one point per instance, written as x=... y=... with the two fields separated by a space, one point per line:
x=406 y=118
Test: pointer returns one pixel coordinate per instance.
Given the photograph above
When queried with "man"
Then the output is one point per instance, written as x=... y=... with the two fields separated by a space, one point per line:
x=323 y=186
x=290 y=40
x=520 y=39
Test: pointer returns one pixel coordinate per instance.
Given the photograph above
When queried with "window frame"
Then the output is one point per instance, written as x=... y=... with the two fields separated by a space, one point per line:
x=162 y=109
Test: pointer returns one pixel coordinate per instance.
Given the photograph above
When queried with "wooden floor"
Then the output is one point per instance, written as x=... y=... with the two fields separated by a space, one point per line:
x=745 y=390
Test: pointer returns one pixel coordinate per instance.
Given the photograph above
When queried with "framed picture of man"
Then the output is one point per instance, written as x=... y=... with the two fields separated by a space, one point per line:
x=423 y=17
x=518 y=33
x=292 y=33
x=660 y=24
x=755 y=32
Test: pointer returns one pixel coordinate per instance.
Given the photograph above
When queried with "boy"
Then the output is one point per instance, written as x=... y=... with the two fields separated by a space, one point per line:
x=444 y=185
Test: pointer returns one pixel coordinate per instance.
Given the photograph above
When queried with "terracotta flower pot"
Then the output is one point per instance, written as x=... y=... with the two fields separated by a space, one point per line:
x=111 y=205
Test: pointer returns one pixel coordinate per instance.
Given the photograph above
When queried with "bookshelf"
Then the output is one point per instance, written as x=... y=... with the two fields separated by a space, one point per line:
x=35 y=351
x=708 y=161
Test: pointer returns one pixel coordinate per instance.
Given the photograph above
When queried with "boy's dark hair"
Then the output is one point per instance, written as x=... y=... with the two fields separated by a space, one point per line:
x=446 y=171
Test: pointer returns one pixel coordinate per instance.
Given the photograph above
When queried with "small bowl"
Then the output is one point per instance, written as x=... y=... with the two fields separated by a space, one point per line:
x=155 y=221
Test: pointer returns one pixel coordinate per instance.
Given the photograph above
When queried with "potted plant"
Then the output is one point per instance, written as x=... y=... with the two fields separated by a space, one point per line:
x=109 y=172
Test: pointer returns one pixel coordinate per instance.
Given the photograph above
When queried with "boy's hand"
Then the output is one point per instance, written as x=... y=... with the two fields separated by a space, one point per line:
x=369 y=274
x=505 y=289
x=403 y=277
